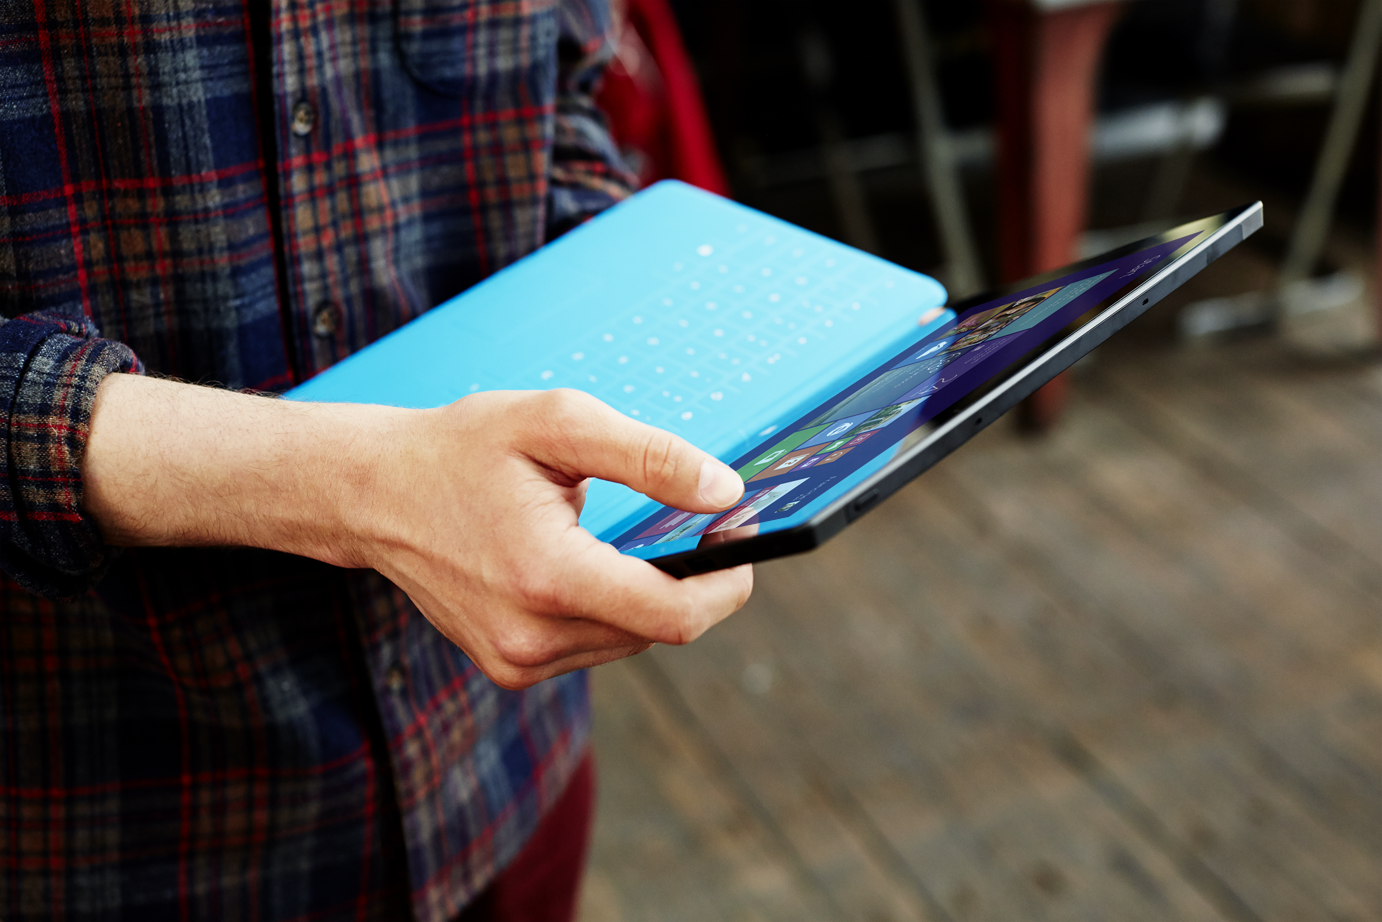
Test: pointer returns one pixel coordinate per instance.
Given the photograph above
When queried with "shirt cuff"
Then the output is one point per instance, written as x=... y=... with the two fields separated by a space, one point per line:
x=50 y=368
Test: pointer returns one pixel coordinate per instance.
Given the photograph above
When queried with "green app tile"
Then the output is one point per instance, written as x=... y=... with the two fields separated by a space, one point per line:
x=759 y=464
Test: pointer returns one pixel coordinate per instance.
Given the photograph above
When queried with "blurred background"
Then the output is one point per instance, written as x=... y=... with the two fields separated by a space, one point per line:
x=1120 y=657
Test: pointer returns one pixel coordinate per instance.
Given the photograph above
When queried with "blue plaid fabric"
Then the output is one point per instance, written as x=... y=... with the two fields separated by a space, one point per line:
x=242 y=194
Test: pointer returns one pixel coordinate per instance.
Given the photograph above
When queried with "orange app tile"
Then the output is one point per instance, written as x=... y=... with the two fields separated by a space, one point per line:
x=834 y=456
x=784 y=465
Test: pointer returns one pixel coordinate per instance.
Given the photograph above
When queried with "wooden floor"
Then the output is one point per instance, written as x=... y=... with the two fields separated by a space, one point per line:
x=1129 y=671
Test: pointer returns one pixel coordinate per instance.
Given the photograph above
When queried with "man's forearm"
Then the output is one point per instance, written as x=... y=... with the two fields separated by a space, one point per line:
x=177 y=464
x=472 y=509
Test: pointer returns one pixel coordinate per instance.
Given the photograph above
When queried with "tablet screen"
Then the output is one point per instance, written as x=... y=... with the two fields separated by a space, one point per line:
x=805 y=464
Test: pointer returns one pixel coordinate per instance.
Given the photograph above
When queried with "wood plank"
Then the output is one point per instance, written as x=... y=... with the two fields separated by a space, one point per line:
x=1123 y=672
x=1224 y=571
x=1042 y=694
x=1120 y=525
x=1284 y=435
x=672 y=840
x=1330 y=762
x=909 y=729
x=1095 y=564
x=1219 y=804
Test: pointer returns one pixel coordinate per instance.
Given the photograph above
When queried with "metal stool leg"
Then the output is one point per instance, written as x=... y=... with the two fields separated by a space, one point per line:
x=962 y=273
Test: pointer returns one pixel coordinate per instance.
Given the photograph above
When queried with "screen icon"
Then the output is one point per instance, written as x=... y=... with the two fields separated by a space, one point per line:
x=686 y=529
x=834 y=456
x=666 y=523
x=836 y=430
x=785 y=464
x=746 y=511
x=886 y=415
x=778 y=451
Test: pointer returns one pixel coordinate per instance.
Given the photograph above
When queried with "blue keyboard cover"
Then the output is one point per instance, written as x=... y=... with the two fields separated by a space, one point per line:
x=676 y=307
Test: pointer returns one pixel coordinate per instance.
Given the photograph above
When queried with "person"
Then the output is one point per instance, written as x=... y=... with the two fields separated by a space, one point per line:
x=269 y=660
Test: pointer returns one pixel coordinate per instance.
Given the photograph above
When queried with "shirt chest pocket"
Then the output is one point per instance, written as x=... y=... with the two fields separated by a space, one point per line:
x=466 y=48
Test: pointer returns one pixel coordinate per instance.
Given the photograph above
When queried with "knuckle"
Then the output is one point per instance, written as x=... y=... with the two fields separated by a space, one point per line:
x=660 y=459
x=480 y=407
x=524 y=648
x=686 y=619
x=564 y=401
x=511 y=678
x=745 y=589
x=538 y=593
x=682 y=634
x=561 y=415
x=682 y=625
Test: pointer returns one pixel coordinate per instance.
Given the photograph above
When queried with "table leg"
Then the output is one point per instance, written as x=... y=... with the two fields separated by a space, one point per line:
x=1045 y=70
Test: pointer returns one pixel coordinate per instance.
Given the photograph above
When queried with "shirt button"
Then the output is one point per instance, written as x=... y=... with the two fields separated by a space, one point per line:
x=326 y=320
x=304 y=119
x=395 y=679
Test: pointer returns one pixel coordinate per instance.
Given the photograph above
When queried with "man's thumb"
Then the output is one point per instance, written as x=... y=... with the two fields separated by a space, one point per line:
x=596 y=440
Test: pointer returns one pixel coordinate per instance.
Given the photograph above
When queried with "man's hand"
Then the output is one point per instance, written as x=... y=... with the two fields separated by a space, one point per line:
x=471 y=509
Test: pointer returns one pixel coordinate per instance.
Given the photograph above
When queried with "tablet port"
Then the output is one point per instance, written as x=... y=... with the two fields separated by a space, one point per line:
x=864 y=504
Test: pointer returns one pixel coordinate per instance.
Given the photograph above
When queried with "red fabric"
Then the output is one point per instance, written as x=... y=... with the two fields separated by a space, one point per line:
x=543 y=883
x=653 y=101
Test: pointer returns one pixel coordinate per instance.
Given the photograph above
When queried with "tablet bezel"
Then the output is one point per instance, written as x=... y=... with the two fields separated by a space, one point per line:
x=965 y=420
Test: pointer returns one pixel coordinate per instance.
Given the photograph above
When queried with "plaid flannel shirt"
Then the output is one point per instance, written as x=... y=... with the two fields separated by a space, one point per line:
x=243 y=193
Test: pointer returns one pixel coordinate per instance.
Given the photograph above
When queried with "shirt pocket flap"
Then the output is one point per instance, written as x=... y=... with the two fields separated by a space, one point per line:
x=461 y=47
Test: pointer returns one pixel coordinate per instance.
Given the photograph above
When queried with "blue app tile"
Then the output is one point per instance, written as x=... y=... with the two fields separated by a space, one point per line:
x=835 y=430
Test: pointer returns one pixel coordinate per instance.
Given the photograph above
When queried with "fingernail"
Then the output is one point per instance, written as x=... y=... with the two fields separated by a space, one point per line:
x=720 y=486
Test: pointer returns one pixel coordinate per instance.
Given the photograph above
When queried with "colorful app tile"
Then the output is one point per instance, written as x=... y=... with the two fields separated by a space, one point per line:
x=930 y=351
x=778 y=451
x=859 y=439
x=993 y=322
x=1056 y=298
x=743 y=514
x=929 y=366
x=833 y=432
x=686 y=529
x=975 y=321
x=884 y=390
x=836 y=445
x=666 y=523
x=809 y=462
x=961 y=364
x=816 y=485
x=885 y=416
x=784 y=464
x=737 y=516
x=743 y=504
x=833 y=456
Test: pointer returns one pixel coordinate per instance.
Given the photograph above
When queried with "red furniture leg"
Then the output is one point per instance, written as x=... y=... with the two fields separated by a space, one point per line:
x=1045 y=69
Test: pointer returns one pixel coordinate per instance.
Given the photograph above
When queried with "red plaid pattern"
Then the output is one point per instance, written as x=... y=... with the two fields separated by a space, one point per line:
x=243 y=193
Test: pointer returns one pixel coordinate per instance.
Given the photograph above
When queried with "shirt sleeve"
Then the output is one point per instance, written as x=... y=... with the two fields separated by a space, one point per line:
x=50 y=367
x=588 y=175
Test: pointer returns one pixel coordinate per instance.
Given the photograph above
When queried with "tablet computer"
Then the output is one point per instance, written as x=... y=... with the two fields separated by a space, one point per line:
x=814 y=474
